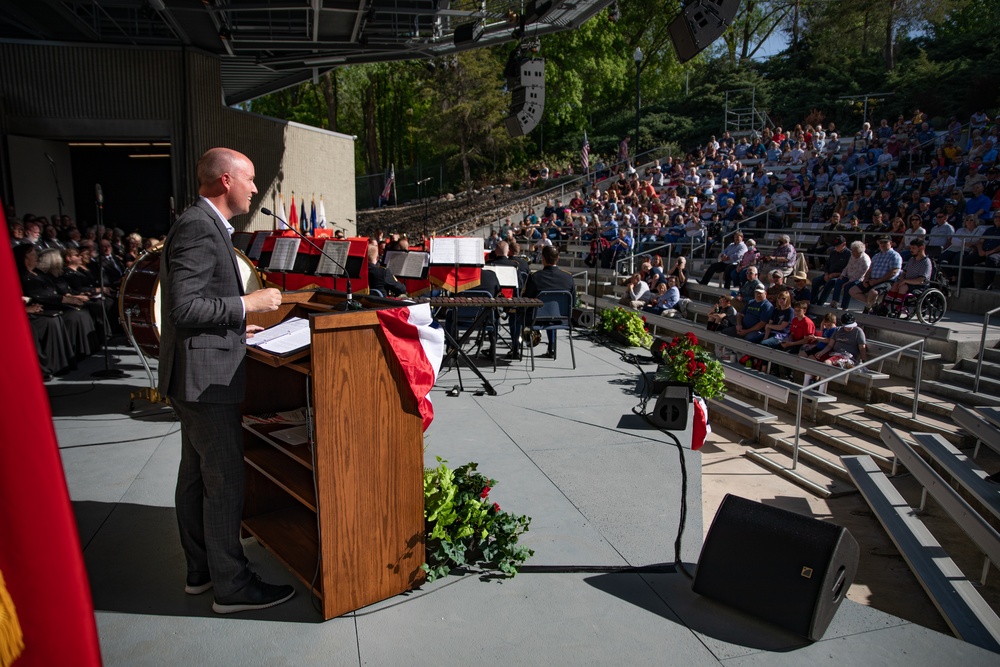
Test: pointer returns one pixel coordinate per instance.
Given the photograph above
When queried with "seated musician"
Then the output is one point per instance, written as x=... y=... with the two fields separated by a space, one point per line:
x=379 y=277
x=550 y=277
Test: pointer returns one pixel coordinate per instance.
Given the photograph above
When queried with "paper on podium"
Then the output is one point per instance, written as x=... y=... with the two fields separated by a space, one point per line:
x=290 y=336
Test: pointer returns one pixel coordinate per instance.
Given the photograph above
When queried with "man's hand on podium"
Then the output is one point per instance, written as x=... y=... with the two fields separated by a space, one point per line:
x=263 y=300
x=252 y=329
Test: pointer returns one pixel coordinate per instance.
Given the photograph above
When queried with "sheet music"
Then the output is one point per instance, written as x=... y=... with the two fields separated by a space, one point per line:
x=464 y=251
x=338 y=250
x=241 y=241
x=407 y=264
x=289 y=326
x=506 y=275
x=257 y=246
x=283 y=257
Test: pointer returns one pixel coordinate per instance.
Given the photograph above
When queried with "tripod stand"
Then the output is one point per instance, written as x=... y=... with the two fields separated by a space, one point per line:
x=107 y=372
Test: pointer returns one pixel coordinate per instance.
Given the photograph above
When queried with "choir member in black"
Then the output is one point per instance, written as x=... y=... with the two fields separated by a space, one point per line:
x=41 y=289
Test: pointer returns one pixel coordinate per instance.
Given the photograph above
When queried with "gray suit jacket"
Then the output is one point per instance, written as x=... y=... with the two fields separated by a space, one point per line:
x=203 y=332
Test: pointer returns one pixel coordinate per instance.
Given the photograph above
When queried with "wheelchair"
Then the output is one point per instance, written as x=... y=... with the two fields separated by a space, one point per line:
x=928 y=303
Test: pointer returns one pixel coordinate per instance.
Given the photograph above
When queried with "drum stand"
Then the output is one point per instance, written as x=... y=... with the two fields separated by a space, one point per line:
x=149 y=393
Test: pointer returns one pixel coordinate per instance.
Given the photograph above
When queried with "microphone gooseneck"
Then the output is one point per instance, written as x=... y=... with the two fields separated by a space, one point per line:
x=347 y=275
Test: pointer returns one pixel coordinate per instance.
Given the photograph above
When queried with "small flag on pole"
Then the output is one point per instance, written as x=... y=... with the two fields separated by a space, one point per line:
x=388 y=184
x=303 y=220
x=585 y=154
x=293 y=221
x=321 y=214
x=312 y=216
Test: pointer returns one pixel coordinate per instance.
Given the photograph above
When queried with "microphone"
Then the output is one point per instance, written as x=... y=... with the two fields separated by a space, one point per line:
x=425 y=180
x=49 y=158
x=100 y=193
x=349 y=305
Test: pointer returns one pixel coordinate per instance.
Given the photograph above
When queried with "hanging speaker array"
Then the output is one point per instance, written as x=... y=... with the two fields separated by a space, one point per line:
x=526 y=81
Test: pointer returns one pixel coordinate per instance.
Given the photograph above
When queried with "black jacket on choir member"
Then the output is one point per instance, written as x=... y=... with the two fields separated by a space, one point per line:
x=488 y=282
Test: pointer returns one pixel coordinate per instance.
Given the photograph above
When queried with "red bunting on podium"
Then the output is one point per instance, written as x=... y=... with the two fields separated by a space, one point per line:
x=454 y=278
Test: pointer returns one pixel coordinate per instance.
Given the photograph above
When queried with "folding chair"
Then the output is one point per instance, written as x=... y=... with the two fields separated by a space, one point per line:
x=555 y=314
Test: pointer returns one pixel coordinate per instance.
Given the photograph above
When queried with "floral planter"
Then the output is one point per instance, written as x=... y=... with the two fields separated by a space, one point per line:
x=620 y=338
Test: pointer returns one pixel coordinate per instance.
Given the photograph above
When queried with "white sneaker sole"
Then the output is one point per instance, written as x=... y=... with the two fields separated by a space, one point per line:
x=198 y=590
x=233 y=608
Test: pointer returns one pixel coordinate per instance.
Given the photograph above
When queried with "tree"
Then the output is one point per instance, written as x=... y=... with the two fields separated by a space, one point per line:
x=469 y=106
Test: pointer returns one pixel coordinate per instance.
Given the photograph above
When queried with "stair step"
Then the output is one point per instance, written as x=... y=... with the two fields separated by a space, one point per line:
x=928 y=403
x=813 y=455
x=961 y=395
x=991 y=369
x=922 y=424
x=987 y=385
x=847 y=443
x=817 y=483
x=991 y=355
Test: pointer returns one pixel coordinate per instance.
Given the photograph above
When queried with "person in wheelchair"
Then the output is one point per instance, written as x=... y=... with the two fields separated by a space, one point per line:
x=916 y=274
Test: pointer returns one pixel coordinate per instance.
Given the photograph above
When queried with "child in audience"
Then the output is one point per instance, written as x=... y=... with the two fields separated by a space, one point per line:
x=723 y=315
x=817 y=343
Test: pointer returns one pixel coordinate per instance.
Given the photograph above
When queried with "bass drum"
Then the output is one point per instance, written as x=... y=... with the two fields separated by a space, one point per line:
x=139 y=298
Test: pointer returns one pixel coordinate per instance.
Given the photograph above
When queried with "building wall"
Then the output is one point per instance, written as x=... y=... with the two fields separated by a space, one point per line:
x=60 y=92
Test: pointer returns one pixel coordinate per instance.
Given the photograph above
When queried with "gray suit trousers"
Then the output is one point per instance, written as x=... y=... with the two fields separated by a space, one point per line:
x=210 y=488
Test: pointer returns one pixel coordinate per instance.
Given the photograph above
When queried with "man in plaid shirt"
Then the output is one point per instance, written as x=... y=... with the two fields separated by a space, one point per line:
x=885 y=268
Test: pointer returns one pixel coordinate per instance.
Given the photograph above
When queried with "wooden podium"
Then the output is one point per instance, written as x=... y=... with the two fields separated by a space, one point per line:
x=347 y=511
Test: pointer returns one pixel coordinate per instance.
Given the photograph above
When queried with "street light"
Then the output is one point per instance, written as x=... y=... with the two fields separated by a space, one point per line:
x=638 y=69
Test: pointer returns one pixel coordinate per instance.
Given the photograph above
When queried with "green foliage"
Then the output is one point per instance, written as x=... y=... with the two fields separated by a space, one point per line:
x=683 y=359
x=626 y=323
x=465 y=528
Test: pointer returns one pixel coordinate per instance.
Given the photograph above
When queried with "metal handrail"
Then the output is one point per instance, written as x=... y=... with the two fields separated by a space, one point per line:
x=982 y=348
x=635 y=253
x=847 y=371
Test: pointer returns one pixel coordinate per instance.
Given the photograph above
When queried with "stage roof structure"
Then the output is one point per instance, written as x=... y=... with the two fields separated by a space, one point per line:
x=267 y=45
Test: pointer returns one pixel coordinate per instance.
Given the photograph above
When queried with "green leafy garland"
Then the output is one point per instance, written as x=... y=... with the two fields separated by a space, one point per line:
x=683 y=359
x=626 y=323
x=465 y=528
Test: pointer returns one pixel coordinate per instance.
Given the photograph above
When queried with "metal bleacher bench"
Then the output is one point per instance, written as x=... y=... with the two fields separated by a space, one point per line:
x=976 y=423
x=961 y=605
x=737 y=410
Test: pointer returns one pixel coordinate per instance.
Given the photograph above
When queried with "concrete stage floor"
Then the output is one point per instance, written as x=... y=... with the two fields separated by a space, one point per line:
x=603 y=490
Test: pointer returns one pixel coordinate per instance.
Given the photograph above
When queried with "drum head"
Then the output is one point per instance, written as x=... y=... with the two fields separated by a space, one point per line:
x=139 y=299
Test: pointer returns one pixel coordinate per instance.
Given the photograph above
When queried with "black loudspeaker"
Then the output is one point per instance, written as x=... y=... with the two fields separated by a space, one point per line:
x=699 y=24
x=469 y=32
x=782 y=567
x=671 y=411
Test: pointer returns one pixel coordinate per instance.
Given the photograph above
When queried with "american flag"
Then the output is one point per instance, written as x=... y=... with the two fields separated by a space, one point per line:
x=388 y=184
x=585 y=154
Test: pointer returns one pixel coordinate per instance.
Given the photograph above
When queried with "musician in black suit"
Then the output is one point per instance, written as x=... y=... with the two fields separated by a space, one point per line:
x=549 y=277
x=379 y=277
x=202 y=350
x=500 y=258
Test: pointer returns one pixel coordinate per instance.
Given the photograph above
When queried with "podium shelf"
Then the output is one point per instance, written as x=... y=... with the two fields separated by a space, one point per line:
x=290 y=534
x=283 y=471
x=299 y=453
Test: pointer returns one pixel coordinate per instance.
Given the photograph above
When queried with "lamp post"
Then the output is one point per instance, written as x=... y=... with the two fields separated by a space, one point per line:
x=638 y=70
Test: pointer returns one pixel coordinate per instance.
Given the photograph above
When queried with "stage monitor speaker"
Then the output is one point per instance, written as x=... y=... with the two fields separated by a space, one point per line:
x=782 y=567
x=672 y=408
x=699 y=24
